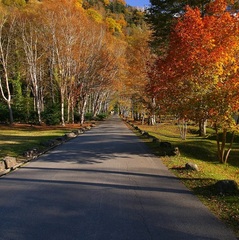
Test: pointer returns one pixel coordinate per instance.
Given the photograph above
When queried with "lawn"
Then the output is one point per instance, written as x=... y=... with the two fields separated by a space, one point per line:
x=16 y=139
x=203 y=152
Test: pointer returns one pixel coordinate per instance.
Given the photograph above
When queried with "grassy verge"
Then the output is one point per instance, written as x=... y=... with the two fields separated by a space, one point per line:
x=15 y=140
x=203 y=152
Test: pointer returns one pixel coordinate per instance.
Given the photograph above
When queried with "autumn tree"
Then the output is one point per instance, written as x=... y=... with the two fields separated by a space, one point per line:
x=199 y=68
x=62 y=29
x=71 y=54
x=97 y=71
x=138 y=55
x=32 y=39
x=161 y=15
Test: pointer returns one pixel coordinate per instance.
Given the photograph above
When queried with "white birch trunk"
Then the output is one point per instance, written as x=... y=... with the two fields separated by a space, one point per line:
x=5 y=45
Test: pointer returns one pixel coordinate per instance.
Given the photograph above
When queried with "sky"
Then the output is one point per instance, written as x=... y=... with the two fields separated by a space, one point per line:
x=137 y=3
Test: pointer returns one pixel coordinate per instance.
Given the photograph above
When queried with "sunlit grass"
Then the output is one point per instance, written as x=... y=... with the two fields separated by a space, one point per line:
x=14 y=141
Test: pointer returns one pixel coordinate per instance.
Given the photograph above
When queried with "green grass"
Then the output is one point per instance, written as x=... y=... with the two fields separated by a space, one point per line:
x=14 y=141
x=203 y=152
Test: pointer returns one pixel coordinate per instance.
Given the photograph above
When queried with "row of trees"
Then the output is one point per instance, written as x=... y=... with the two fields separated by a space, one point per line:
x=65 y=59
x=60 y=61
x=197 y=78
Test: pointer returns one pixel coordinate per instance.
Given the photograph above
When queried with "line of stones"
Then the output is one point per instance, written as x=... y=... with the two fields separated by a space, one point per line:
x=222 y=187
x=169 y=150
x=8 y=164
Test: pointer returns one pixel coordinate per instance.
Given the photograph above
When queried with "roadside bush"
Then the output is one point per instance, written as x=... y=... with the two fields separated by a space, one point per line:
x=88 y=116
x=52 y=115
x=101 y=116
x=4 y=113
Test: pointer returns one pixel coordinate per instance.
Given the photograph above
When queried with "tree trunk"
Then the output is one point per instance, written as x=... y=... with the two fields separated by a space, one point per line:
x=152 y=116
x=8 y=98
x=152 y=120
x=229 y=148
x=6 y=39
x=142 y=119
x=10 y=112
x=82 y=111
x=62 y=108
x=183 y=129
x=221 y=144
x=223 y=153
x=37 y=102
x=202 y=127
x=68 y=110
x=72 y=113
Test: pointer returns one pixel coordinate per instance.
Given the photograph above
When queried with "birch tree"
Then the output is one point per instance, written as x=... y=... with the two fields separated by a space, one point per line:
x=7 y=29
x=63 y=28
x=34 y=53
x=91 y=43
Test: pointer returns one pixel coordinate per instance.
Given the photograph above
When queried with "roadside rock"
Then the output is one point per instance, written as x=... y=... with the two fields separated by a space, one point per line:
x=71 y=135
x=175 y=151
x=31 y=153
x=2 y=166
x=10 y=162
x=82 y=129
x=145 y=134
x=7 y=164
x=78 y=132
x=225 y=187
x=192 y=166
x=3 y=169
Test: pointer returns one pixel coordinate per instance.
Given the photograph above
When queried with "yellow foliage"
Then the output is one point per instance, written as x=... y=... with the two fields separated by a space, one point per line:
x=113 y=26
x=106 y=2
x=18 y=3
x=220 y=69
x=96 y=16
x=79 y=3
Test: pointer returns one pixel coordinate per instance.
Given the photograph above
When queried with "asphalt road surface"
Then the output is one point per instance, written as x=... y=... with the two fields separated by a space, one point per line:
x=102 y=185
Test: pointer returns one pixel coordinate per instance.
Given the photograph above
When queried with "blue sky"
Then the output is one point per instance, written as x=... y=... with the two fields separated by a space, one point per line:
x=137 y=3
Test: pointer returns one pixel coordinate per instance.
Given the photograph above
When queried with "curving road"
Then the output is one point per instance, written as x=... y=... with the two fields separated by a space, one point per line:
x=102 y=185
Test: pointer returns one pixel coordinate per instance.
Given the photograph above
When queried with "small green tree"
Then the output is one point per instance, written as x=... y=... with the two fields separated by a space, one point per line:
x=15 y=3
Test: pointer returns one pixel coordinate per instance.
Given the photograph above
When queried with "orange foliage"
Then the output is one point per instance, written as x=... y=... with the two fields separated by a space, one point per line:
x=217 y=7
x=202 y=63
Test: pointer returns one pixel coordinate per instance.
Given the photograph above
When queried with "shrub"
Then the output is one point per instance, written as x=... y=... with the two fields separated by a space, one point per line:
x=101 y=116
x=4 y=113
x=52 y=115
x=88 y=116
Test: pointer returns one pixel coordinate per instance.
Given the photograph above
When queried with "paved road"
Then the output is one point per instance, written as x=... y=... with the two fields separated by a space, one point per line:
x=102 y=185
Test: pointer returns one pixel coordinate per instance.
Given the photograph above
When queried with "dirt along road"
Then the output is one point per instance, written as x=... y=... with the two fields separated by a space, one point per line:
x=102 y=185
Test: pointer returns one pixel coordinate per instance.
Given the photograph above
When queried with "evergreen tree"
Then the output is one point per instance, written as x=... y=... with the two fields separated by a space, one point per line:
x=161 y=14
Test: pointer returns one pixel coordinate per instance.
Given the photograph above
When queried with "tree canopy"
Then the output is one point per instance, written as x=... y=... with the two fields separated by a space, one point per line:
x=68 y=56
x=197 y=80
x=163 y=14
